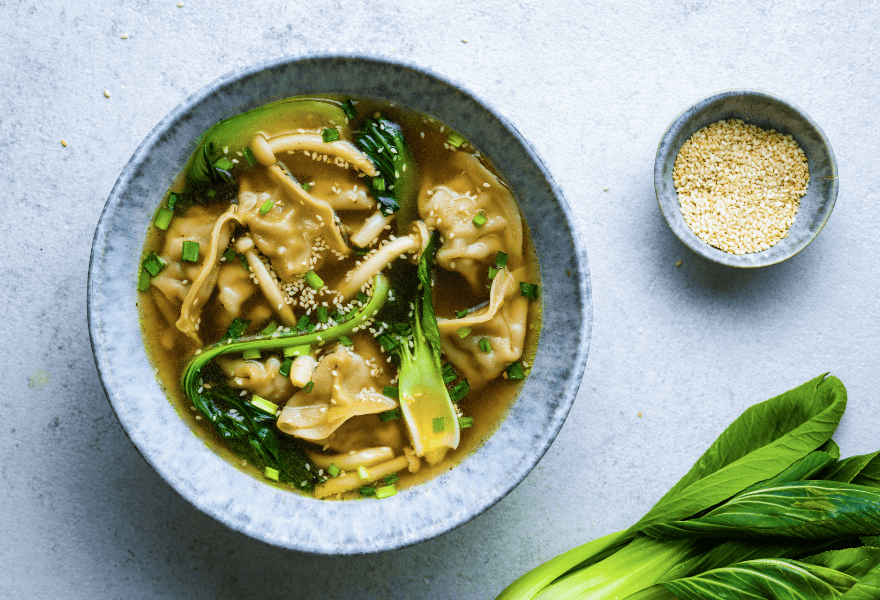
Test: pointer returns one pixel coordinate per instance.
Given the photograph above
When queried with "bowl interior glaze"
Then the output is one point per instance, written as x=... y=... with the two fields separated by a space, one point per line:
x=284 y=518
x=768 y=112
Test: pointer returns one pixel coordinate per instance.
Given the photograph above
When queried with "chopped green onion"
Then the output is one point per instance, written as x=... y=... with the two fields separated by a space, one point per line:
x=379 y=184
x=236 y=329
x=439 y=424
x=463 y=332
x=363 y=473
x=493 y=271
x=387 y=342
x=313 y=280
x=311 y=328
x=284 y=369
x=322 y=314
x=459 y=390
x=362 y=298
x=224 y=163
x=330 y=135
x=448 y=373
x=392 y=479
x=249 y=156
x=360 y=251
x=172 y=200
x=391 y=392
x=333 y=470
x=143 y=281
x=389 y=415
x=309 y=387
x=271 y=473
x=154 y=263
x=244 y=262
x=480 y=220
x=303 y=323
x=297 y=351
x=485 y=345
x=212 y=193
x=229 y=254
x=349 y=109
x=460 y=314
x=501 y=260
x=367 y=491
x=306 y=186
x=385 y=492
x=345 y=340
x=163 y=218
x=264 y=405
x=402 y=329
x=267 y=206
x=455 y=140
x=529 y=290
x=270 y=328
x=189 y=252
x=251 y=354
x=465 y=422
x=515 y=371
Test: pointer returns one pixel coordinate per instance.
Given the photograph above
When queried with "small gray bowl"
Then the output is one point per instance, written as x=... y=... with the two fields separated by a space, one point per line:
x=284 y=518
x=768 y=112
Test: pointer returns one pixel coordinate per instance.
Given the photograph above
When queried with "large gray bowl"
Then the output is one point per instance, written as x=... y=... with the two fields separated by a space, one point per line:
x=277 y=516
x=768 y=112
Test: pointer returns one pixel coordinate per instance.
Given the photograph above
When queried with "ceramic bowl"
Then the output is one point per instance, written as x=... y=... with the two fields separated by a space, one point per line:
x=281 y=517
x=768 y=112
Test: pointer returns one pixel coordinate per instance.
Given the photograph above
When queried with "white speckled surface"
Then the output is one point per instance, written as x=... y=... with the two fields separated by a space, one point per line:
x=593 y=86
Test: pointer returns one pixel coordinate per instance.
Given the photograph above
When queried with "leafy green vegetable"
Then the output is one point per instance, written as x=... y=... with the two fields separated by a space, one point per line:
x=383 y=142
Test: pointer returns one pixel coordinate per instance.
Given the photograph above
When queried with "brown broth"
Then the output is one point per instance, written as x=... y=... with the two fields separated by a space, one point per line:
x=487 y=405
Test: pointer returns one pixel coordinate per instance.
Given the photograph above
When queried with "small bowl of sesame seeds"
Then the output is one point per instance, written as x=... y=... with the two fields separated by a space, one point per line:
x=745 y=178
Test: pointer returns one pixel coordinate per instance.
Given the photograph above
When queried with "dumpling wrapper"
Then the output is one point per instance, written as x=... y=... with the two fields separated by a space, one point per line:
x=451 y=208
x=334 y=399
x=262 y=378
x=503 y=322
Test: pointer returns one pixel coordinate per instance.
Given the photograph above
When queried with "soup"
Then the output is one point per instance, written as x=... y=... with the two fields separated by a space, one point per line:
x=340 y=295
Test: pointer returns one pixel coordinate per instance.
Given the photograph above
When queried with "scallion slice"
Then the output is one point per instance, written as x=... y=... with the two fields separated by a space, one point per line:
x=189 y=252
x=455 y=140
x=284 y=369
x=211 y=193
x=529 y=290
x=271 y=473
x=378 y=184
x=385 y=492
x=172 y=200
x=460 y=314
x=485 y=345
x=143 y=281
x=387 y=342
x=362 y=298
x=236 y=328
x=224 y=163
x=501 y=260
x=392 y=479
x=249 y=156
x=459 y=390
x=229 y=254
x=349 y=109
x=330 y=135
x=154 y=263
x=439 y=424
x=267 y=206
x=322 y=314
x=303 y=323
x=306 y=186
x=309 y=387
x=367 y=491
x=345 y=340
x=391 y=392
x=465 y=422
x=448 y=373
x=251 y=354
x=389 y=415
x=480 y=220
x=315 y=282
x=270 y=408
x=515 y=371
x=463 y=332
x=333 y=470
x=163 y=218
x=270 y=328
x=493 y=271
x=363 y=473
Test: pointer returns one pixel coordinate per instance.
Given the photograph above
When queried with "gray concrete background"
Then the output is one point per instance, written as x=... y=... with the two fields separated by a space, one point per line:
x=592 y=85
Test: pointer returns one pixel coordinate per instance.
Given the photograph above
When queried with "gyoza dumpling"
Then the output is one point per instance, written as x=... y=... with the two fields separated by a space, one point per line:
x=344 y=388
x=262 y=378
x=451 y=208
x=503 y=322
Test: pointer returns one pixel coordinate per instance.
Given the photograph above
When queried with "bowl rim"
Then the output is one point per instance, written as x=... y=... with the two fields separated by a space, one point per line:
x=568 y=392
x=699 y=246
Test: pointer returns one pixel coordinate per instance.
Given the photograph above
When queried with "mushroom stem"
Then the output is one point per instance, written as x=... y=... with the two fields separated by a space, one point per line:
x=352 y=481
x=371 y=229
x=378 y=261
x=266 y=281
x=348 y=462
x=265 y=150
x=302 y=369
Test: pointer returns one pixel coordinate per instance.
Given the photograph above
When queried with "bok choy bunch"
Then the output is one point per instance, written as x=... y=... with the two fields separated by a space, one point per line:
x=769 y=511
